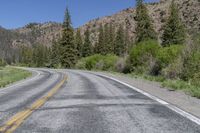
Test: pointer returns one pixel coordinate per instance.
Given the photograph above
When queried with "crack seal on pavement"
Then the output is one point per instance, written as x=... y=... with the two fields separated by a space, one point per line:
x=11 y=125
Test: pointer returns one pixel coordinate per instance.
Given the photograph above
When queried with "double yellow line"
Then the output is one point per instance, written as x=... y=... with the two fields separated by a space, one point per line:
x=11 y=125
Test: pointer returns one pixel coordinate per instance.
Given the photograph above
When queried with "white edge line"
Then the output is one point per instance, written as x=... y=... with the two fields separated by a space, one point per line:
x=170 y=106
x=24 y=81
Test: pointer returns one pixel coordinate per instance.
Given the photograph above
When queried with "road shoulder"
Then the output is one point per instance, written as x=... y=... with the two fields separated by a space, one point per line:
x=176 y=98
x=33 y=75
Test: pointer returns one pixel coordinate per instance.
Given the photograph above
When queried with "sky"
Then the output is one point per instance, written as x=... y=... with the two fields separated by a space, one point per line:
x=17 y=13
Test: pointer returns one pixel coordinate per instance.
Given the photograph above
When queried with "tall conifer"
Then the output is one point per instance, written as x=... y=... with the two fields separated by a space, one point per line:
x=87 y=46
x=144 y=28
x=67 y=47
x=100 y=47
x=174 y=32
x=119 y=45
x=78 y=43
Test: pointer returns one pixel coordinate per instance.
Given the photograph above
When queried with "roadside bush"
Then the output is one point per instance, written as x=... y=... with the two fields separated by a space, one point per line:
x=167 y=55
x=98 y=62
x=2 y=63
x=191 y=66
x=196 y=79
x=173 y=70
x=122 y=65
x=142 y=57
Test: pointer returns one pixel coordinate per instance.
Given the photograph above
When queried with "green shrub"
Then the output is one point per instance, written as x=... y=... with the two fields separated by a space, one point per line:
x=167 y=55
x=2 y=63
x=173 y=70
x=142 y=57
x=98 y=62
x=191 y=66
x=196 y=79
x=122 y=65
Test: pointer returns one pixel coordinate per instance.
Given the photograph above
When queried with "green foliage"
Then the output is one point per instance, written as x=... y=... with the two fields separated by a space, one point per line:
x=2 y=63
x=38 y=56
x=54 y=55
x=100 y=46
x=119 y=45
x=182 y=85
x=26 y=54
x=98 y=62
x=79 y=43
x=143 y=55
x=68 y=54
x=144 y=28
x=41 y=56
x=196 y=79
x=110 y=34
x=9 y=75
x=128 y=43
x=167 y=55
x=105 y=44
x=87 y=46
x=191 y=66
x=174 y=32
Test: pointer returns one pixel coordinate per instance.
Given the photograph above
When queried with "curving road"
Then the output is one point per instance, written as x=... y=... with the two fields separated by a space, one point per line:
x=87 y=103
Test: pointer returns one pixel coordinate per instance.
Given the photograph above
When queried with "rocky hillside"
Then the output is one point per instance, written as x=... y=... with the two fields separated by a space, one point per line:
x=189 y=12
x=34 y=33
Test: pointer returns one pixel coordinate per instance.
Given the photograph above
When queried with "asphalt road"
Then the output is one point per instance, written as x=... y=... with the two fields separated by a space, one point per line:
x=87 y=103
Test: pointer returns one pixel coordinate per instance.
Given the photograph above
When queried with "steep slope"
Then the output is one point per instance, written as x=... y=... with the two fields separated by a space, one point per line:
x=189 y=12
x=36 y=33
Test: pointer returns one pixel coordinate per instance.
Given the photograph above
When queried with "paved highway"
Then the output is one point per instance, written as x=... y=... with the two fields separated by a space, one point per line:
x=84 y=103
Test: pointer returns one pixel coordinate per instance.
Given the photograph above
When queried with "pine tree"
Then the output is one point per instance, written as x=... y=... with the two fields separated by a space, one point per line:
x=127 y=38
x=174 y=32
x=106 y=40
x=26 y=55
x=111 y=38
x=144 y=28
x=55 y=56
x=67 y=47
x=99 y=48
x=119 y=46
x=78 y=43
x=87 y=46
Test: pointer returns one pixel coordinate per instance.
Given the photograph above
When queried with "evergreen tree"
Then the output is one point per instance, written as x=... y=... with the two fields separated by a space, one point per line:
x=144 y=28
x=111 y=38
x=39 y=55
x=108 y=39
x=100 y=47
x=119 y=46
x=78 y=43
x=174 y=32
x=87 y=46
x=67 y=47
x=55 y=56
x=26 y=54
x=127 y=39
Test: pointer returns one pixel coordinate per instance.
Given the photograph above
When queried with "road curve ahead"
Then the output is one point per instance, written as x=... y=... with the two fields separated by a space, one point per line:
x=87 y=103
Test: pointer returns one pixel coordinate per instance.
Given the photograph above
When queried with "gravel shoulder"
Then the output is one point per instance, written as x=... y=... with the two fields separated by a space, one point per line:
x=177 y=98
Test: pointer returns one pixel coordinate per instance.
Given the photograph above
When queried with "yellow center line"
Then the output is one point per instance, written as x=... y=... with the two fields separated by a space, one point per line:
x=11 y=125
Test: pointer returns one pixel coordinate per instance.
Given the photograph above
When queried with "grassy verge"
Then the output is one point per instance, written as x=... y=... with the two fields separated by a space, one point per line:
x=10 y=75
x=170 y=84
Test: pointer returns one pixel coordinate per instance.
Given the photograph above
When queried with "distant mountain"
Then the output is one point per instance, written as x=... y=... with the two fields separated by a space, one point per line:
x=35 y=33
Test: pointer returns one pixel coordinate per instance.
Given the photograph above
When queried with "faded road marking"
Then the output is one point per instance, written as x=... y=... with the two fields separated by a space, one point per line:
x=12 y=124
